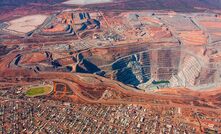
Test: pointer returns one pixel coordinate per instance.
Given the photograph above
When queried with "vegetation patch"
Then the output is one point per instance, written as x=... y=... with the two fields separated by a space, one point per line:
x=38 y=91
x=160 y=82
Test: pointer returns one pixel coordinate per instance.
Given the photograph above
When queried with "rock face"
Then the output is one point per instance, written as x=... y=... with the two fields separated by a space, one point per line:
x=188 y=73
x=131 y=70
x=85 y=66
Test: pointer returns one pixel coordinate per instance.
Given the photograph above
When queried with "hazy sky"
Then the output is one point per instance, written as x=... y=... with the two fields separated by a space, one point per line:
x=84 y=2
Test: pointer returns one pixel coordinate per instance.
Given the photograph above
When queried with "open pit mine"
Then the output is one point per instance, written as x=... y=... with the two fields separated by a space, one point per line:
x=80 y=67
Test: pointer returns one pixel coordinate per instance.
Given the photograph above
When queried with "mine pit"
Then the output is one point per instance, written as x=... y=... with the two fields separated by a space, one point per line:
x=152 y=68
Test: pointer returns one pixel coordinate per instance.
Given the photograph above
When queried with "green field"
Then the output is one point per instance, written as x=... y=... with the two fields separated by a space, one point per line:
x=38 y=91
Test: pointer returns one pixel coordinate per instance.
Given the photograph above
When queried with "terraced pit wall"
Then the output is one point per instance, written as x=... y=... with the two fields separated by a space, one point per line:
x=133 y=66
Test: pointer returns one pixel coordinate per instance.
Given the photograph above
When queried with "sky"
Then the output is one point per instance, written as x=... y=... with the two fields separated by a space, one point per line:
x=84 y=2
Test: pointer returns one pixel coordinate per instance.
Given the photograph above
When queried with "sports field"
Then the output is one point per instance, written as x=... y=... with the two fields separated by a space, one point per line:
x=39 y=91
